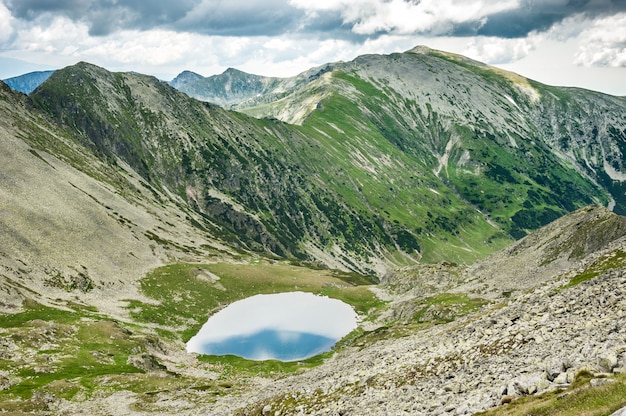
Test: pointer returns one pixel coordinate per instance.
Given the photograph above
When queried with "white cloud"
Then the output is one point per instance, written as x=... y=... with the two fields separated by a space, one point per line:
x=370 y=17
x=499 y=50
x=369 y=26
x=50 y=37
x=604 y=43
x=6 y=23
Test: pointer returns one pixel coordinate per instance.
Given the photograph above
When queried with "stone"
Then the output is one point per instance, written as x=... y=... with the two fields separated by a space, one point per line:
x=607 y=361
x=620 y=412
x=463 y=410
x=597 y=382
x=554 y=367
x=561 y=379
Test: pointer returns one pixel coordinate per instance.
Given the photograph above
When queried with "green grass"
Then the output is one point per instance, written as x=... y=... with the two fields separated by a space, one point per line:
x=579 y=399
x=233 y=365
x=446 y=307
x=75 y=354
x=33 y=311
x=187 y=296
x=63 y=352
x=614 y=260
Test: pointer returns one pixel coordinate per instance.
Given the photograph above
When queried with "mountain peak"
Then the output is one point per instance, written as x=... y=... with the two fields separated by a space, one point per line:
x=420 y=49
x=231 y=70
x=184 y=78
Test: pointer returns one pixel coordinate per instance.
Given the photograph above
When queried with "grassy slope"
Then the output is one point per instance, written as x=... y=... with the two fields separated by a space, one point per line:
x=75 y=353
x=188 y=293
x=372 y=172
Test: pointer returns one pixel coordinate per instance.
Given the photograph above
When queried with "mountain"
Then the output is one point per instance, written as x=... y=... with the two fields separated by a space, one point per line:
x=230 y=87
x=456 y=111
x=386 y=161
x=236 y=89
x=74 y=223
x=130 y=211
x=477 y=127
x=251 y=180
x=459 y=108
x=28 y=82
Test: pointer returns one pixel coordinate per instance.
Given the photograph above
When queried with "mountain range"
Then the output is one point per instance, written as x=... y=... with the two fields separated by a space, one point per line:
x=374 y=170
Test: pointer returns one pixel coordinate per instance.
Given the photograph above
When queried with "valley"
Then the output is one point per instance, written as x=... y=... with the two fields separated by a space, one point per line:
x=459 y=209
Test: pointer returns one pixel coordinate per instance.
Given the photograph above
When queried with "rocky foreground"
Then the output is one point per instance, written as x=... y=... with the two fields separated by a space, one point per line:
x=565 y=314
x=537 y=342
x=536 y=335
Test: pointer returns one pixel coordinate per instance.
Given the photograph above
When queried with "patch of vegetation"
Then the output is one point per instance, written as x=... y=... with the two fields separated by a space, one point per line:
x=63 y=353
x=81 y=282
x=613 y=260
x=446 y=307
x=187 y=294
x=579 y=399
x=233 y=365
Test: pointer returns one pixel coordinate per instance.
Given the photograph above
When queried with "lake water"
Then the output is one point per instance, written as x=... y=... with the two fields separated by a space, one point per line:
x=288 y=326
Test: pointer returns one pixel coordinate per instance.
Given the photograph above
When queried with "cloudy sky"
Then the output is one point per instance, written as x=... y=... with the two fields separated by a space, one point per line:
x=559 y=42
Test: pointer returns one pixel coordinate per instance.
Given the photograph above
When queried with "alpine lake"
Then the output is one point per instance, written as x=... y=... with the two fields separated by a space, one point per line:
x=288 y=326
x=257 y=311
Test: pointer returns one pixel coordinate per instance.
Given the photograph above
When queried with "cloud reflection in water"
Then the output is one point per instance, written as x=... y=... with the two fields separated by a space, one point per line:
x=286 y=326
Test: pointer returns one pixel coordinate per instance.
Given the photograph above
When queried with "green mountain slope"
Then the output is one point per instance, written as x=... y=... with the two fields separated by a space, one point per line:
x=521 y=152
x=250 y=179
x=385 y=160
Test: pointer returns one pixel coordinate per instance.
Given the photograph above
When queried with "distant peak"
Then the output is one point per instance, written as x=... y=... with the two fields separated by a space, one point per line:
x=84 y=64
x=185 y=77
x=187 y=72
x=421 y=49
x=234 y=71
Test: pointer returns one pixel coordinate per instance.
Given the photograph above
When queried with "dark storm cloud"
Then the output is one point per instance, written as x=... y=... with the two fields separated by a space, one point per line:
x=274 y=17
x=241 y=18
x=105 y=16
x=541 y=15
x=212 y=17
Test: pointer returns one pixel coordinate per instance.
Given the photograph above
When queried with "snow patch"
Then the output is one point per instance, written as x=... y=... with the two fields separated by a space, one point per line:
x=443 y=159
x=613 y=173
x=512 y=101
